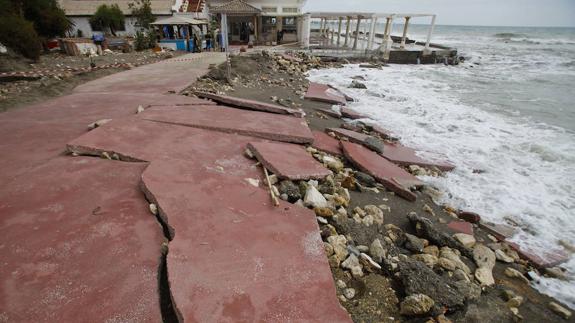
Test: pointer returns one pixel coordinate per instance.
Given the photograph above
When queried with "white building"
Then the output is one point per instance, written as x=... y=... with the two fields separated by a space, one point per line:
x=253 y=21
x=80 y=11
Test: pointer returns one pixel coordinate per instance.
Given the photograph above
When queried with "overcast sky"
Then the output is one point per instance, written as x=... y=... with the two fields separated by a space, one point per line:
x=466 y=12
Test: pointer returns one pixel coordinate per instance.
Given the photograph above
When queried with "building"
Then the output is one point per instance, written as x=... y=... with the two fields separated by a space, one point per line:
x=80 y=11
x=252 y=21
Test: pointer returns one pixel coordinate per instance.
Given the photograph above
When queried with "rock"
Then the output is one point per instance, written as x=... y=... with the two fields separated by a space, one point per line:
x=368 y=262
x=485 y=276
x=465 y=239
x=484 y=257
x=153 y=209
x=375 y=212
x=513 y=273
x=253 y=181
x=502 y=256
x=339 y=244
x=348 y=182
x=557 y=272
x=447 y=264
x=417 y=170
x=328 y=186
x=357 y=85
x=377 y=251
x=560 y=310
x=140 y=109
x=425 y=228
x=413 y=243
x=291 y=190
x=428 y=260
x=416 y=304
x=515 y=301
x=332 y=163
x=313 y=198
x=442 y=319
x=373 y=144
x=363 y=248
x=352 y=263
x=469 y=290
x=340 y=284
x=323 y=212
x=349 y=293
x=364 y=178
x=469 y=217
x=459 y=274
x=273 y=179
x=431 y=250
x=328 y=249
x=449 y=254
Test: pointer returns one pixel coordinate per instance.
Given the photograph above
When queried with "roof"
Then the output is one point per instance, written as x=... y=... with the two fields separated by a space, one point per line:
x=89 y=7
x=180 y=20
x=235 y=6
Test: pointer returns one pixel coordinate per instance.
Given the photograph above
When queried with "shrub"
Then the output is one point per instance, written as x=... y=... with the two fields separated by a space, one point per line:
x=18 y=34
x=108 y=17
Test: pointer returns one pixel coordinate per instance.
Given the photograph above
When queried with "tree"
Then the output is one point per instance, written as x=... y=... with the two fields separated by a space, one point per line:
x=142 y=10
x=108 y=17
x=26 y=23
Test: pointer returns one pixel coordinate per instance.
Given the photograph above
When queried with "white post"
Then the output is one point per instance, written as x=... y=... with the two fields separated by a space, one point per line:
x=372 y=33
x=339 y=31
x=305 y=30
x=356 y=32
x=426 y=50
x=332 y=31
x=402 y=46
x=224 y=31
x=347 y=25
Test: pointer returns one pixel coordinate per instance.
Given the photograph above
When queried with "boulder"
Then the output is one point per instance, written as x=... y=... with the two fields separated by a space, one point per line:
x=420 y=279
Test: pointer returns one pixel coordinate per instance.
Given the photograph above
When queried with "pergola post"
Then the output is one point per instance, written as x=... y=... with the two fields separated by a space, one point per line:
x=371 y=33
x=305 y=30
x=356 y=32
x=332 y=31
x=321 y=26
x=339 y=31
x=402 y=46
x=347 y=25
x=426 y=50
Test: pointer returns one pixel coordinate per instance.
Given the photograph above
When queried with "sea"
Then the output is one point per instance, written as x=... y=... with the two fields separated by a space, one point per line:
x=505 y=117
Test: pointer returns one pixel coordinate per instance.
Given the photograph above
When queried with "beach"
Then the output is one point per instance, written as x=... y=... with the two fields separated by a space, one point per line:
x=259 y=78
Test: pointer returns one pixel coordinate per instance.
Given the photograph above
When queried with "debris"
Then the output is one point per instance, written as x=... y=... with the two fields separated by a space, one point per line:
x=98 y=123
x=253 y=181
x=465 y=239
x=140 y=109
x=313 y=198
x=274 y=198
x=153 y=209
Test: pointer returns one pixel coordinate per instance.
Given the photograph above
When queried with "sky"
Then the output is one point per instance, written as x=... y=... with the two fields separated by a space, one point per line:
x=552 y=13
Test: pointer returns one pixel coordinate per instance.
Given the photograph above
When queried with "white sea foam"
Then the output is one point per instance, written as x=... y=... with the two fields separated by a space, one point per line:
x=529 y=166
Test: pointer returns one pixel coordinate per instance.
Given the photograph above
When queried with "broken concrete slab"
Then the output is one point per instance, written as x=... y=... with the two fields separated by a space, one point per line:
x=326 y=143
x=134 y=139
x=288 y=161
x=391 y=176
x=461 y=227
x=230 y=120
x=330 y=112
x=79 y=241
x=352 y=114
x=406 y=156
x=168 y=76
x=325 y=93
x=226 y=262
x=368 y=141
x=250 y=104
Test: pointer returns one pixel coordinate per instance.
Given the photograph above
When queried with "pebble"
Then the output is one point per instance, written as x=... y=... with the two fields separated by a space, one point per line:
x=513 y=273
x=413 y=243
x=465 y=239
x=153 y=209
x=428 y=260
x=323 y=212
x=431 y=250
x=314 y=198
x=340 y=284
x=560 y=310
x=446 y=264
x=502 y=256
x=349 y=293
x=352 y=263
x=515 y=301
x=377 y=251
x=417 y=304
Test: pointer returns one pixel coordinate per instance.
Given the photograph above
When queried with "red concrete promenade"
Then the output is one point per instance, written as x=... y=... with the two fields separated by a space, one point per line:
x=77 y=237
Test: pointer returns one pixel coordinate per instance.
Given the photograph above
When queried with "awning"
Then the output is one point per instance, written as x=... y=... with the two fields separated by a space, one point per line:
x=180 y=20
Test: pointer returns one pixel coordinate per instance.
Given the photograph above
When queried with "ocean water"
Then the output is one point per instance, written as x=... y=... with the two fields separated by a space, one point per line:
x=508 y=111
